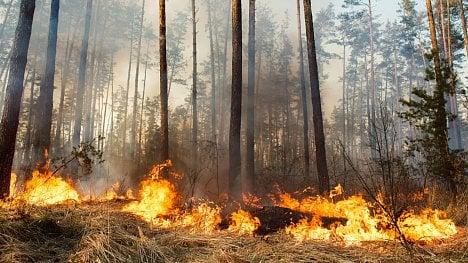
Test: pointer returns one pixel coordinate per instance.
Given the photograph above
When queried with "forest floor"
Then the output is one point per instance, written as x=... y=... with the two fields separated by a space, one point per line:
x=100 y=232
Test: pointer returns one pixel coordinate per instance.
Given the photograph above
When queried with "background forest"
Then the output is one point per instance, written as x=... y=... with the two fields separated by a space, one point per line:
x=374 y=71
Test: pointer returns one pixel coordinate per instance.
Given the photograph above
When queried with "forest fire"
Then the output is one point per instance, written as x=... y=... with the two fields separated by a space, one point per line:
x=46 y=189
x=364 y=221
x=159 y=203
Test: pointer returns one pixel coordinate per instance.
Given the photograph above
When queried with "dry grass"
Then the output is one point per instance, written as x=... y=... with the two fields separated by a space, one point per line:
x=99 y=232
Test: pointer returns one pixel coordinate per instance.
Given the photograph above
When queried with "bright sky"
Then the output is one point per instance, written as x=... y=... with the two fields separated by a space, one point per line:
x=386 y=9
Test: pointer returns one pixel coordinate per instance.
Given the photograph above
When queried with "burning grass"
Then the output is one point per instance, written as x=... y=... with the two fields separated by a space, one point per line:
x=101 y=232
x=50 y=222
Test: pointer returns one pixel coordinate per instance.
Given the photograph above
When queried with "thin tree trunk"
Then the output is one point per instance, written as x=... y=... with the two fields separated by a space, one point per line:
x=194 y=89
x=223 y=90
x=250 y=129
x=10 y=116
x=124 y=127
x=213 y=77
x=236 y=102
x=109 y=81
x=345 y=142
x=163 y=83
x=28 y=141
x=373 y=130
x=137 y=79
x=320 y=152
x=90 y=87
x=43 y=121
x=142 y=105
x=82 y=80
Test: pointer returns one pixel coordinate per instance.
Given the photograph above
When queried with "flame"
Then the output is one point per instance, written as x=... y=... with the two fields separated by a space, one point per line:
x=203 y=218
x=252 y=200
x=47 y=189
x=13 y=180
x=243 y=223
x=156 y=198
x=364 y=223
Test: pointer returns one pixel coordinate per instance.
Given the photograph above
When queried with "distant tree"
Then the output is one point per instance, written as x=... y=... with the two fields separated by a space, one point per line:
x=175 y=49
x=236 y=102
x=10 y=117
x=320 y=153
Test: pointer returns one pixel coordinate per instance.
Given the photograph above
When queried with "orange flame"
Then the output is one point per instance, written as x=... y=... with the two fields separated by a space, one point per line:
x=203 y=218
x=47 y=189
x=13 y=184
x=362 y=223
x=243 y=223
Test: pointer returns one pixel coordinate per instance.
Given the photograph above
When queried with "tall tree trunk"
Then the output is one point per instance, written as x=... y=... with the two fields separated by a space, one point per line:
x=344 y=110
x=194 y=89
x=124 y=127
x=440 y=123
x=373 y=130
x=320 y=153
x=81 y=81
x=43 y=121
x=137 y=79
x=213 y=76
x=455 y=141
x=222 y=136
x=236 y=103
x=90 y=92
x=163 y=82
x=250 y=128
x=104 y=115
x=10 y=117
x=142 y=105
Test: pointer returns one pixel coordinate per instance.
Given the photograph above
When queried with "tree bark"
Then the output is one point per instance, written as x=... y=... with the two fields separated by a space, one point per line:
x=43 y=120
x=235 y=187
x=14 y=92
x=320 y=152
